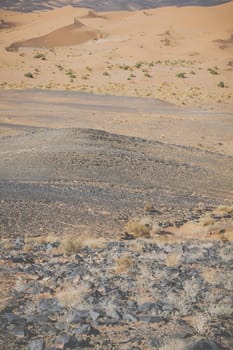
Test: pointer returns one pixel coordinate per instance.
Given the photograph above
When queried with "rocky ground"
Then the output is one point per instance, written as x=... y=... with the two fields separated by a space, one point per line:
x=145 y=290
x=108 y=5
x=110 y=240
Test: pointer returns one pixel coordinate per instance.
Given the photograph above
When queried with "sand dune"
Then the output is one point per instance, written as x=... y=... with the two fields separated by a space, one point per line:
x=170 y=43
x=73 y=34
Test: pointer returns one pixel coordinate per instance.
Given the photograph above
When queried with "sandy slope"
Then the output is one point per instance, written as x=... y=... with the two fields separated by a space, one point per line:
x=125 y=53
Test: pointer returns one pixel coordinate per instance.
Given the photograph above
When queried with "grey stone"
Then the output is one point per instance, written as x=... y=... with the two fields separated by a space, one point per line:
x=94 y=315
x=145 y=307
x=19 y=332
x=205 y=345
x=36 y=344
x=78 y=316
x=86 y=329
x=49 y=247
x=151 y=319
x=129 y=317
x=66 y=341
x=15 y=319
x=154 y=343
x=19 y=241
x=49 y=305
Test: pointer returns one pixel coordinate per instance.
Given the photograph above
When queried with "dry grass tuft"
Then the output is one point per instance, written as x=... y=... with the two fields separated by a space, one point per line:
x=210 y=275
x=225 y=209
x=123 y=263
x=3 y=303
x=94 y=243
x=200 y=324
x=71 y=296
x=172 y=259
x=138 y=228
x=148 y=207
x=207 y=220
x=71 y=245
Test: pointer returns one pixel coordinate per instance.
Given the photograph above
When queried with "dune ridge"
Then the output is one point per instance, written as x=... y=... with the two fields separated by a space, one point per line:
x=73 y=34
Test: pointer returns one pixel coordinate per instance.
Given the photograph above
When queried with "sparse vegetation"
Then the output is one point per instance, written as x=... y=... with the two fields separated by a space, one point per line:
x=172 y=259
x=40 y=56
x=148 y=207
x=147 y=75
x=29 y=75
x=60 y=67
x=181 y=75
x=138 y=64
x=225 y=209
x=71 y=73
x=138 y=229
x=221 y=84
x=71 y=295
x=105 y=73
x=85 y=77
x=213 y=71
x=207 y=220
x=123 y=263
x=124 y=66
x=71 y=245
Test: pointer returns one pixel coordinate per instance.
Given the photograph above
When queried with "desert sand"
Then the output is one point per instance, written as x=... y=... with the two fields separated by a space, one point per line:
x=181 y=55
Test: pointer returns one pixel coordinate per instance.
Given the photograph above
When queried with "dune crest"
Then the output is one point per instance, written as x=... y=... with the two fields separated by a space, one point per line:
x=73 y=34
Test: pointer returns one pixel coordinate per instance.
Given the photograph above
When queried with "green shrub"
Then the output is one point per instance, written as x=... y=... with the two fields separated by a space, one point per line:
x=221 y=84
x=29 y=75
x=181 y=75
x=40 y=56
x=213 y=71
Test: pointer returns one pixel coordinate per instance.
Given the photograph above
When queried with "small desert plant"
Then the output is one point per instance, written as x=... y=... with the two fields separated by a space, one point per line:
x=60 y=67
x=124 y=66
x=106 y=73
x=213 y=71
x=138 y=64
x=89 y=69
x=181 y=75
x=71 y=74
x=71 y=296
x=200 y=324
x=226 y=209
x=138 y=229
x=29 y=75
x=71 y=245
x=172 y=259
x=207 y=220
x=148 y=207
x=147 y=75
x=221 y=84
x=123 y=263
x=40 y=56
